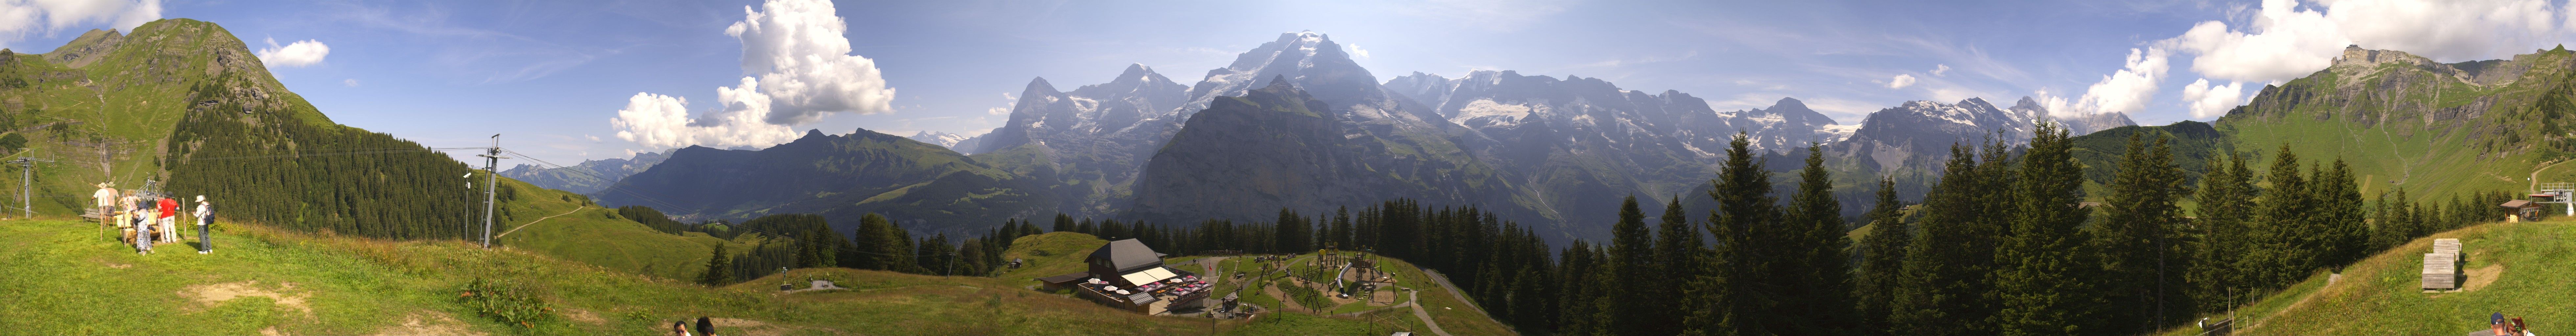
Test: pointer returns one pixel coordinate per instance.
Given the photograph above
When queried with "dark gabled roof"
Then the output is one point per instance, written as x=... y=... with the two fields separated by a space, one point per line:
x=1126 y=255
x=1069 y=277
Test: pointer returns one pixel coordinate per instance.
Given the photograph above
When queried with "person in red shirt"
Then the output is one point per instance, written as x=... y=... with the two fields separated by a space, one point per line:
x=169 y=219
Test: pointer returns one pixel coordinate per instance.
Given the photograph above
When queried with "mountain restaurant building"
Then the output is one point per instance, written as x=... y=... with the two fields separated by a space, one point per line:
x=1127 y=275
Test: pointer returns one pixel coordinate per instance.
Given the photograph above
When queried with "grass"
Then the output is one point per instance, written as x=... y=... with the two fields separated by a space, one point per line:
x=2380 y=295
x=64 y=280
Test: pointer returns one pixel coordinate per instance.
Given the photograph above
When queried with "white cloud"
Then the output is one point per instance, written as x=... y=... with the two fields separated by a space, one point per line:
x=662 y=121
x=1901 y=81
x=592 y=138
x=352 y=82
x=797 y=69
x=997 y=111
x=18 y=19
x=2207 y=101
x=2288 y=39
x=1940 y=69
x=2126 y=90
x=797 y=50
x=293 y=55
x=1356 y=51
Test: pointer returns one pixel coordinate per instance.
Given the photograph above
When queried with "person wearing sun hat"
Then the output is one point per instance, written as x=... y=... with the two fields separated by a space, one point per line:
x=105 y=201
x=205 y=216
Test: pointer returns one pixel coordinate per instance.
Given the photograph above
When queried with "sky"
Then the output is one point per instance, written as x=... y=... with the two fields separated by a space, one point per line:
x=565 y=81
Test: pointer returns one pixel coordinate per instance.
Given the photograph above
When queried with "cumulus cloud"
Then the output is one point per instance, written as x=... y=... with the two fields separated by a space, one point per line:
x=2288 y=39
x=293 y=55
x=1356 y=51
x=2126 y=90
x=797 y=70
x=352 y=82
x=1940 y=69
x=2207 y=101
x=1901 y=81
x=18 y=19
x=663 y=121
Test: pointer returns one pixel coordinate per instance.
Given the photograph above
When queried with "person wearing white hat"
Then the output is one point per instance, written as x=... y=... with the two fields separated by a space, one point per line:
x=205 y=215
x=105 y=201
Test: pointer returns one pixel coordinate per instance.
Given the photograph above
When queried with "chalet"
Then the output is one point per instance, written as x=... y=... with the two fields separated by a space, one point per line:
x=1127 y=275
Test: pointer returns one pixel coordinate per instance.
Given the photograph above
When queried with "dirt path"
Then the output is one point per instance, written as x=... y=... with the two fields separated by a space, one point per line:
x=534 y=222
x=1453 y=290
x=2302 y=303
x=1285 y=302
x=1425 y=315
x=1211 y=275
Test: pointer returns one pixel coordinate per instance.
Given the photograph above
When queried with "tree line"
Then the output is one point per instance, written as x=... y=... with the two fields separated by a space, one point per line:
x=2004 y=244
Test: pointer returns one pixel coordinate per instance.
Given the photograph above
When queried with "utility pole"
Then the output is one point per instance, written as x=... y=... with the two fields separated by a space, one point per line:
x=26 y=184
x=491 y=185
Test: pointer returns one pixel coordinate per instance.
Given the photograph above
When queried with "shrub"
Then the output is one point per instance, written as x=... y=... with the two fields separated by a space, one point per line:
x=509 y=302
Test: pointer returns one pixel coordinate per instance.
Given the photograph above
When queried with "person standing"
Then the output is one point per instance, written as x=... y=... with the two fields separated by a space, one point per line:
x=205 y=216
x=126 y=215
x=169 y=219
x=142 y=235
x=105 y=201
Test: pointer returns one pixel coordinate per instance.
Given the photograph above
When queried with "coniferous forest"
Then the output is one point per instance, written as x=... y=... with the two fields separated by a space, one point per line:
x=2004 y=245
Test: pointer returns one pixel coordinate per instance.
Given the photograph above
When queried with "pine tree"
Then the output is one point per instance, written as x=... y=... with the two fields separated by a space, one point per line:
x=1729 y=299
x=1677 y=253
x=1820 y=302
x=2287 y=248
x=2044 y=286
x=1632 y=261
x=2338 y=197
x=2226 y=204
x=1064 y=223
x=717 y=273
x=1945 y=276
x=2138 y=242
x=1882 y=256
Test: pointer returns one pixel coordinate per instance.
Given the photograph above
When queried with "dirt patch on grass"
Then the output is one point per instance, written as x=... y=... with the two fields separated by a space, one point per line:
x=2479 y=278
x=433 y=324
x=583 y=316
x=218 y=293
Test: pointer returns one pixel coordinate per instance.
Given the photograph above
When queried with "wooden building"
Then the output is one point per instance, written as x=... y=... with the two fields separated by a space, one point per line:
x=1127 y=275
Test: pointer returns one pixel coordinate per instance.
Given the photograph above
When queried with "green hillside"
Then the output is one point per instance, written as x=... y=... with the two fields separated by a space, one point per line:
x=2514 y=268
x=1056 y=253
x=66 y=280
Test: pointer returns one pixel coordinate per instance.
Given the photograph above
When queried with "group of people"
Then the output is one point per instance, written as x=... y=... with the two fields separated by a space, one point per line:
x=147 y=218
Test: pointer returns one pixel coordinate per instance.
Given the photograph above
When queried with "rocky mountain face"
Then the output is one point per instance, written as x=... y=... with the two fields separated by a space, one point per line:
x=1395 y=146
x=1580 y=144
x=1088 y=143
x=1917 y=135
x=589 y=177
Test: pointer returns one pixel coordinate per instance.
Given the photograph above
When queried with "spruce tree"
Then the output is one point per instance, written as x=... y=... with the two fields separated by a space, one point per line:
x=2044 y=284
x=1729 y=299
x=2137 y=239
x=2284 y=249
x=718 y=273
x=1945 y=275
x=2338 y=199
x=1882 y=255
x=2224 y=239
x=1677 y=254
x=1820 y=301
x=1632 y=261
x=1064 y=223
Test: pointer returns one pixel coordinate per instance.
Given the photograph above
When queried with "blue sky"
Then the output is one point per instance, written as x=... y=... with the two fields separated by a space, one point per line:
x=550 y=75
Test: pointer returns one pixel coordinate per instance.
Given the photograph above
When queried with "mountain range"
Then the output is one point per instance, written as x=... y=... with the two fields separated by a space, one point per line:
x=1296 y=124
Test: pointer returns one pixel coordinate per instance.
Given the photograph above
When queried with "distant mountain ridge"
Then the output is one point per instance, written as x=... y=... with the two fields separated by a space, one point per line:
x=588 y=177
